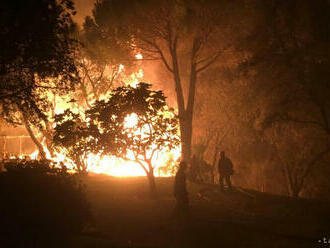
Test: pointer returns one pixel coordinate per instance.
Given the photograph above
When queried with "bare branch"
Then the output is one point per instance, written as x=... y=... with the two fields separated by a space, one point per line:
x=159 y=51
x=210 y=60
x=290 y=119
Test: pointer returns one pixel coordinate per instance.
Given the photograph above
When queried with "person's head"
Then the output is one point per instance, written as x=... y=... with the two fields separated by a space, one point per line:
x=222 y=154
x=182 y=165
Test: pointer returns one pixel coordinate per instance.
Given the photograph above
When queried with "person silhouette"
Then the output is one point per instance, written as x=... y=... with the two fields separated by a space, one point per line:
x=181 y=210
x=225 y=168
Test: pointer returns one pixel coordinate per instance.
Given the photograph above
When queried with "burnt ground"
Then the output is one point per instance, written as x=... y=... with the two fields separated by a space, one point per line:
x=125 y=216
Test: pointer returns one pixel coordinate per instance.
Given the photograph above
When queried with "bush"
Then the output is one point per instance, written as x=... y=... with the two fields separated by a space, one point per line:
x=40 y=206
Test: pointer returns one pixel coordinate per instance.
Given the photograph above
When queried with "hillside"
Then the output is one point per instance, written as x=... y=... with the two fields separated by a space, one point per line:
x=124 y=216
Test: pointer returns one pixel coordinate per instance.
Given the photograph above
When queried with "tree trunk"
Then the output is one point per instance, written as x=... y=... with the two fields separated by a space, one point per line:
x=81 y=164
x=214 y=166
x=186 y=136
x=188 y=118
x=186 y=114
x=152 y=184
x=34 y=138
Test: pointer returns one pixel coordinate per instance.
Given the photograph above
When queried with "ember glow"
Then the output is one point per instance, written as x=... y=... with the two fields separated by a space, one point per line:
x=164 y=161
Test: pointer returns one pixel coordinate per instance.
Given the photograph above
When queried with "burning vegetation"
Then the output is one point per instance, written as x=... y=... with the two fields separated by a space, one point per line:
x=151 y=142
x=234 y=91
x=153 y=136
x=133 y=124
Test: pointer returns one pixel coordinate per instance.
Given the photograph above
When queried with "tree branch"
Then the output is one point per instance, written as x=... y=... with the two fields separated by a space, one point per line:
x=210 y=62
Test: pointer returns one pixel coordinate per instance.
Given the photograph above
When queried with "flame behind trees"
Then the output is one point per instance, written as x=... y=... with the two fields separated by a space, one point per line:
x=36 y=47
x=185 y=36
x=37 y=56
x=134 y=124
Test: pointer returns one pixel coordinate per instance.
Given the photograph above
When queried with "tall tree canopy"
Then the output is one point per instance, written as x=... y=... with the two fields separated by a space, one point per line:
x=186 y=36
x=36 y=50
x=278 y=98
x=134 y=124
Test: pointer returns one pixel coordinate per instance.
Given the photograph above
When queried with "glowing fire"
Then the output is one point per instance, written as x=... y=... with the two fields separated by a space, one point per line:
x=163 y=161
x=139 y=56
x=131 y=120
x=114 y=166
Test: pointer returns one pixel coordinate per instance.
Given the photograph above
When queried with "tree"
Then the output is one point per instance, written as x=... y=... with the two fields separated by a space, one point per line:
x=288 y=50
x=101 y=62
x=186 y=36
x=37 y=55
x=134 y=124
x=299 y=151
x=71 y=137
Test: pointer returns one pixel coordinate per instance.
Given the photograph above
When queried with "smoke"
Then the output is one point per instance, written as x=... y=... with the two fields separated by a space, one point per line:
x=83 y=8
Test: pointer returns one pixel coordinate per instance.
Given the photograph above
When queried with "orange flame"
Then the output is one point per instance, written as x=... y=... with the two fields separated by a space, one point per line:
x=164 y=161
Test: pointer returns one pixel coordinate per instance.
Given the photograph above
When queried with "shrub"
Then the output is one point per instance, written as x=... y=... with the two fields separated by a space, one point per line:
x=40 y=206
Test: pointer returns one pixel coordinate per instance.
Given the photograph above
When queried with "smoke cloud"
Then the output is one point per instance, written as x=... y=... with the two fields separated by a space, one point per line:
x=84 y=8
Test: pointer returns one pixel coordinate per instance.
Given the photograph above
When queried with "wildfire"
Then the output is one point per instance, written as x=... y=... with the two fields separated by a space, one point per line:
x=164 y=161
x=131 y=120
x=139 y=56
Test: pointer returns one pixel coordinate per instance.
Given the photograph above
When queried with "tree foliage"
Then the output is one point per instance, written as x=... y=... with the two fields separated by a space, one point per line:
x=133 y=124
x=186 y=36
x=72 y=137
x=275 y=103
x=36 y=48
x=155 y=123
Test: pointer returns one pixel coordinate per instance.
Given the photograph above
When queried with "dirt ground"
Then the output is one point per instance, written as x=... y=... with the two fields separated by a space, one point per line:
x=125 y=216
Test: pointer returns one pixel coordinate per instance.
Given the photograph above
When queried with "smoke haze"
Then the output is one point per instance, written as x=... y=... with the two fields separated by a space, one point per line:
x=84 y=8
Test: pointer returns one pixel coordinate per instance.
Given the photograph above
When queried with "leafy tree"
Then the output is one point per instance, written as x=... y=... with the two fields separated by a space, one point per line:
x=72 y=137
x=134 y=124
x=37 y=56
x=288 y=50
x=101 y=61
x=186 y=36
x=299 y=151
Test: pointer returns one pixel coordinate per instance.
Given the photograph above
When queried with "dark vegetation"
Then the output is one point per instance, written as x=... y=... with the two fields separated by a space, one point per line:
x=56 y=214
x=40 y=206
x=37 y=56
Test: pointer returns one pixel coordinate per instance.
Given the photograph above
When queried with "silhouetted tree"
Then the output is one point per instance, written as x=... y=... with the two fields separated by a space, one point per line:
x=186 y=36
x=72 y=137
x=35 y=47
x=299 y=151
x=37 y=55
x=153 y=127
x=133 y=124
x=288 y=50
x=101 y=62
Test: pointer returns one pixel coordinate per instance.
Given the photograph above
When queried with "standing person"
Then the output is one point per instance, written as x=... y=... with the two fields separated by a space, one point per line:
x=225 y=168
x=181 y=210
